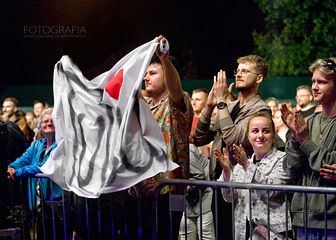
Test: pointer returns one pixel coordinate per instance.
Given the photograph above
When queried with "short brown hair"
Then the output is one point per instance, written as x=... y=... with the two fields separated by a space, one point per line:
x=261 y=63
x=203 y=90
x=305 y=87
x=13 y=100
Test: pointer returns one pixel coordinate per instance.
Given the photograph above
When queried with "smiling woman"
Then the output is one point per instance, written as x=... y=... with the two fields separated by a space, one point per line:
x=264 y=167
x=28 y=165
x=261 y=133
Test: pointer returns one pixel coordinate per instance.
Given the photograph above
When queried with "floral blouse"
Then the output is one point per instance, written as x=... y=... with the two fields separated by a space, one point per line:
x=268 y=170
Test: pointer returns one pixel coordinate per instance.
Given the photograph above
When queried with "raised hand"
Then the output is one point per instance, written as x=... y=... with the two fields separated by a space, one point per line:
x=295 y=122
x=211 y=100
x=220 y=86
x=163 y=56
x=301 y=127
x=239 y=155
x=288 y=118
x=223 y=159
x=231 y=97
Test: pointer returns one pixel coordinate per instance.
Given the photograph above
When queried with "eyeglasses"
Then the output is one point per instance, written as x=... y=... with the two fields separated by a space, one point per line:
x=303 y=95
x=243 y=71
x=329 y=63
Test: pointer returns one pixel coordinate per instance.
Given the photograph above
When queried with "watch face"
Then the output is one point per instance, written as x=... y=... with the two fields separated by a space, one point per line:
x=221 y=105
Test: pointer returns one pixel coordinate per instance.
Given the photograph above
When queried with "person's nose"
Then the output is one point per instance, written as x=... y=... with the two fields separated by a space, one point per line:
x=260 y=135
x=146 y=78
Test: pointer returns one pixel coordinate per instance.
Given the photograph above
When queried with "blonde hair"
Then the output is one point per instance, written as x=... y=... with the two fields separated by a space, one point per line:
x=327 y=66
x=44 y=112
x=261 y=63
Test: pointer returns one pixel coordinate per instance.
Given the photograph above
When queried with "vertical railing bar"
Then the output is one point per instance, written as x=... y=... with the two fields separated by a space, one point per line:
x=42 y=207
x=286 y=214
x=201 y=213
x=325 y=216
x=268 y=216
x=216 y=211
x=233 y=212
x=305 y=216
x=65 y=217
x=250 y=213
x=186 y=207
x=53 y=210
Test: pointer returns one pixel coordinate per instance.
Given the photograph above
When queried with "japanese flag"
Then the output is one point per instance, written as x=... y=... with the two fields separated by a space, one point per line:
x=107 y=137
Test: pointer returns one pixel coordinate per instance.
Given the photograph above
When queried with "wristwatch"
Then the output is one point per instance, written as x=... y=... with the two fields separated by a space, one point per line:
x=221 y=105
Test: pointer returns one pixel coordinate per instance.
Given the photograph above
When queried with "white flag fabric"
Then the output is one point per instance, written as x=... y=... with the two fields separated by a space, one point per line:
x=107 y=137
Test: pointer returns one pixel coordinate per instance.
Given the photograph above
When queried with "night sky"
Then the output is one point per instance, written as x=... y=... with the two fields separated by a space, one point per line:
x=214 y=33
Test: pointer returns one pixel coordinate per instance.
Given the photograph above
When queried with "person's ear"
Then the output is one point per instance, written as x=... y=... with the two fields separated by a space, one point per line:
x=260 y=78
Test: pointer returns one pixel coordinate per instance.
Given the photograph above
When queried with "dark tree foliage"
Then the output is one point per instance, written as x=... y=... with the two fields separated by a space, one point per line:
x=297 y=32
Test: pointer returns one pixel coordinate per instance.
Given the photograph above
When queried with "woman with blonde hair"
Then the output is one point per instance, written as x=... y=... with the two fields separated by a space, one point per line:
x=264 y=167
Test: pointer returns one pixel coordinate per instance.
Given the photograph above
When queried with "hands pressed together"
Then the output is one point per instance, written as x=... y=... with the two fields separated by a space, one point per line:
x=220 y=92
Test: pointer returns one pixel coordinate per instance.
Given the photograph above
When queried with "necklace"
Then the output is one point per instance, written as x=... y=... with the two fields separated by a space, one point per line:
x=324 y=125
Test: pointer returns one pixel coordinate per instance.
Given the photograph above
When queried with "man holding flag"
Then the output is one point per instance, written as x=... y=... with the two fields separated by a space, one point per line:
x=172 y=110
x=107 y=138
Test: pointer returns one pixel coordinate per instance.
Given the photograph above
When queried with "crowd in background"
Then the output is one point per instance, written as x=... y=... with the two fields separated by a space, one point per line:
x=229 y=137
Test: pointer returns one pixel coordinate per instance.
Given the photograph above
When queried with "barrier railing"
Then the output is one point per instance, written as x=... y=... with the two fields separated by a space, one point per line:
x=286 y=189
x=94 y=221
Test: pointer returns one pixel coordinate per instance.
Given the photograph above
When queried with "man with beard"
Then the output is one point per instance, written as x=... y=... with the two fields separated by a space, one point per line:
x=9 y=108
x=304 y=100
x=230 y=125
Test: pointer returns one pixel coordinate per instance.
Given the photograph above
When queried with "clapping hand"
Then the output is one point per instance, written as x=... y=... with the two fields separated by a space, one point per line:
x=295 y=122
x=223 y=159
x=239 y=155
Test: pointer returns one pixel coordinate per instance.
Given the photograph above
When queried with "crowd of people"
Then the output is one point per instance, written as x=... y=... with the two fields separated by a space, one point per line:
x=230 y=134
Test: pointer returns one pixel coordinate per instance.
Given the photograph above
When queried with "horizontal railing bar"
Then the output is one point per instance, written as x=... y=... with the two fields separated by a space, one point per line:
x=254 y=186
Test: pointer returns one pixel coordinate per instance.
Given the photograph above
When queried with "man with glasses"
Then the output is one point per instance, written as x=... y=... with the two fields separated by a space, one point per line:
x=230 y=124
x=311 y=156
x=304 y=100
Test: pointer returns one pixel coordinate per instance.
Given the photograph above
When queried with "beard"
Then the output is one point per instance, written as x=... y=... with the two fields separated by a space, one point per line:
x=241 y=88
x=5 y=116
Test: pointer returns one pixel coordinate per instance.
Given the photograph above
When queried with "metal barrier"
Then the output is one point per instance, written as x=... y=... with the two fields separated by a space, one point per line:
x=95 y=223
x=286 y=189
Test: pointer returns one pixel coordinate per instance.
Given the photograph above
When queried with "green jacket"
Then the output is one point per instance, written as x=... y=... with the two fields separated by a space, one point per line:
x=303 y=162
